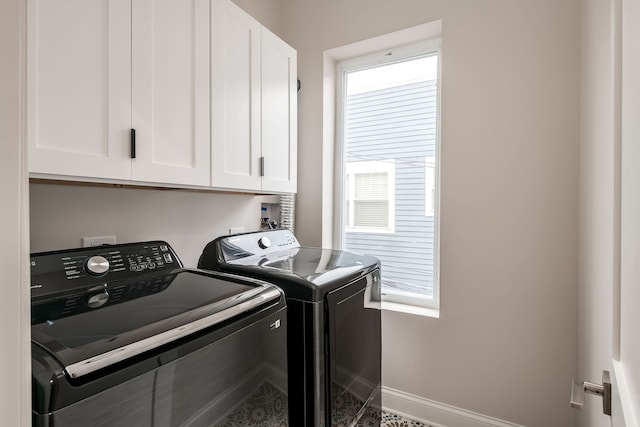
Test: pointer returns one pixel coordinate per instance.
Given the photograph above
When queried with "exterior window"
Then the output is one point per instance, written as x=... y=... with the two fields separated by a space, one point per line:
x=389 y=149
x=369 y=194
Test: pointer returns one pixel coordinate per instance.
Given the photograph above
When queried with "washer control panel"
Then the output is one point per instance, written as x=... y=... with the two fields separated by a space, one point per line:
x=96 y=267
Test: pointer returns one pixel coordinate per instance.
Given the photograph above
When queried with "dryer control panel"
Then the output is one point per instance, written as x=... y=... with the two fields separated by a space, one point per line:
x=258 y=243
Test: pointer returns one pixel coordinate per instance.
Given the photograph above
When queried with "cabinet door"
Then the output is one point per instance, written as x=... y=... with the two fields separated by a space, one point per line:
x=235 y=98
x=279 y=114
x=171 y=91
x=79 y=87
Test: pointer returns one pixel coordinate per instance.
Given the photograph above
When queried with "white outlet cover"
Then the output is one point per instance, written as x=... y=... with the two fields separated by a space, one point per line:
x=98 y=241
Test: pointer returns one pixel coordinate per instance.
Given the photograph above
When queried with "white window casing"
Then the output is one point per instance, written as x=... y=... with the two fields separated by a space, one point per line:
x=384 y=208
x=430 y=185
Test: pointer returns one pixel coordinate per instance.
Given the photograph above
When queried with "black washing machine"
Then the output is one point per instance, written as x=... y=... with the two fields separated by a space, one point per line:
x=333 y=304
x=122 y=335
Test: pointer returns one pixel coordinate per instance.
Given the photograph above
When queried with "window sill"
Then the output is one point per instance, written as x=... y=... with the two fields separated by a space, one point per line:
x=411 y=309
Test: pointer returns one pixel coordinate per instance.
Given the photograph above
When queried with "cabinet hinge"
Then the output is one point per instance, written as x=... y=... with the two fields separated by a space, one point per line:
x=133 y=143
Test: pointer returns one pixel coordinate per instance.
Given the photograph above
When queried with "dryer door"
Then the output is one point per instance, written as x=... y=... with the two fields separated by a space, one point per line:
x=354 y=362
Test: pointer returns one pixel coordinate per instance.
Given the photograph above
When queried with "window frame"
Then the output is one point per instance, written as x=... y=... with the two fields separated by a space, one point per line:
x=413 y=303
x=430 y=171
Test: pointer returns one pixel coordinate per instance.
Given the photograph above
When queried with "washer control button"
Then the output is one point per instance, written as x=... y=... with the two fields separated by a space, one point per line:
x=98 y=300
x=97 y=265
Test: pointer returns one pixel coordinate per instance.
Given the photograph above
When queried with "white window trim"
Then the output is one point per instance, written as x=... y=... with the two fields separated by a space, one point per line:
x=415 y=38
x=388 y=167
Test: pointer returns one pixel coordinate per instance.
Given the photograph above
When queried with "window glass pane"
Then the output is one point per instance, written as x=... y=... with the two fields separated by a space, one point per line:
x=390 y=122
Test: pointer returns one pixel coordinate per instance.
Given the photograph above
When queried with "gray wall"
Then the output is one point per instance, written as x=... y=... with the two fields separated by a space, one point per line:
x=15 y=326
x=62 y=214
x=505 y=342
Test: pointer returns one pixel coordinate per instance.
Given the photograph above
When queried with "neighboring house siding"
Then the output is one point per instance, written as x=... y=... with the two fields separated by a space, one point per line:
x=397 y=124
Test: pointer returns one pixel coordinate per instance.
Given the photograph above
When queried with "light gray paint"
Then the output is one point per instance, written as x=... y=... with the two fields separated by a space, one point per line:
x=62 y=214
x=15 y=393
x=505 y=342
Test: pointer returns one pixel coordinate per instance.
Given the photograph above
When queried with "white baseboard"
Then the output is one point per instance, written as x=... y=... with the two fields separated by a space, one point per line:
x=434 y=413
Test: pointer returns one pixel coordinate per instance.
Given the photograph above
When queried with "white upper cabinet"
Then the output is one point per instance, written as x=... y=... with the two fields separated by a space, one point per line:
x=279 y=114
x=79 y=87
x=253 y=104
x=98 y=68
x=208 y=92
x=235 y=97
x=171 y=91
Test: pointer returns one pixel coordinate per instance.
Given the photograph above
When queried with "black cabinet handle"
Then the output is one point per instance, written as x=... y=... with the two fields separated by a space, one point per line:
x=133 y=143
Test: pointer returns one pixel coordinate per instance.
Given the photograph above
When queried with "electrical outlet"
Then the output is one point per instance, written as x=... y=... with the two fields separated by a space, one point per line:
x=236 y=230
x=98 y=241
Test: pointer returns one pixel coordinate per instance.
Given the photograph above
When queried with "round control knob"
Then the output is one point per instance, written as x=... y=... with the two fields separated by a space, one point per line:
x=98 y=300
x=264 y=242
x=97 y=265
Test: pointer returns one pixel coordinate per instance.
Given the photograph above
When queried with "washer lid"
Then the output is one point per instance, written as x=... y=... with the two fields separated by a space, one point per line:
x=302 y=272
x=139 y=316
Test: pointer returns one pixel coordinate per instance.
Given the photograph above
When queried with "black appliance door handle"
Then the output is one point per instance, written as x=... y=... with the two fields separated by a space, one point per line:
x=252 y=299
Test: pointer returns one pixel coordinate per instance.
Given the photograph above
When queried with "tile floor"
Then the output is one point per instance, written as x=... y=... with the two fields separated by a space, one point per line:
x=393 y=420
x=267 y=407
x=386 y=419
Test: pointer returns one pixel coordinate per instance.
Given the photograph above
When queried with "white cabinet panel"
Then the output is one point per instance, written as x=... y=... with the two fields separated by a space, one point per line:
x=279 y=114
x=79 y=87
x=210 y=93
x=171 y=91
x=98 y=68
x=235 y=97
x=253 y=105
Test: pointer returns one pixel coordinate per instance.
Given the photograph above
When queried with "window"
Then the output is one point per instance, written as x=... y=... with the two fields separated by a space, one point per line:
x=389 y=147
x=369 y=197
